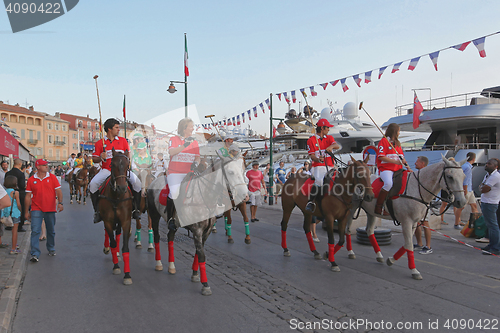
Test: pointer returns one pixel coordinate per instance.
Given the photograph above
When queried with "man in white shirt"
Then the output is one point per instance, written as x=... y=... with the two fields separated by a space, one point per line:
x=160 y=166
x=71 y=163
x=490 y=196
x=4 y=168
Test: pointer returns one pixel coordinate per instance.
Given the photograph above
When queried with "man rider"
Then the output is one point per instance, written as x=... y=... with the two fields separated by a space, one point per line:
x=78 y=165
x=318 y=145
x=71 y=163
x=104 y=155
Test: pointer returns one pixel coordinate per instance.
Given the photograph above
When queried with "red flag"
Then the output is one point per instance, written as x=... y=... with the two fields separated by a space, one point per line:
x=274 y=132
x=124 y=117
x=417 y=110
x=186 y=68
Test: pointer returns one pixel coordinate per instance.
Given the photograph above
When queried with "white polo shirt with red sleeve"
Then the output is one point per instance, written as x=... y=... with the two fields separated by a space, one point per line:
x=43 y=192
x=120 y=144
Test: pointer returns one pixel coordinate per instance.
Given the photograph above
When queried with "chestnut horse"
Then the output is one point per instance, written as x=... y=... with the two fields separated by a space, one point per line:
x=81 y=183
x=334 y=205
x=115 y=207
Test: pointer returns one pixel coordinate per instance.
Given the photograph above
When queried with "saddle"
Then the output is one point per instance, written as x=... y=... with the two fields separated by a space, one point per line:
x=328 y=183
x=105 y=184
x=399 y=181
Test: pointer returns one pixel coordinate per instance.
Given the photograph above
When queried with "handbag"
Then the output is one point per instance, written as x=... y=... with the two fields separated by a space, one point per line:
x=7 y=221
x=467 y=231
x=480 y=227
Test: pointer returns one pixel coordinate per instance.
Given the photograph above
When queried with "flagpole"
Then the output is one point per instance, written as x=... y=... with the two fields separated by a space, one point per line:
x=185 y=78
x=124 y=118
x=271 y=170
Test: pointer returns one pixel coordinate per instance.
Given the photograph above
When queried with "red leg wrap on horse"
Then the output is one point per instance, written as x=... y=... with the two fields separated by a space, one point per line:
x=195 y=263
x=126 y=262
x=203 y=273
x=411 y=259
x=106 y=239
x=331 y=252
x=157 y=251
x=374 y=243
x=114 y=251
x=337 y=248
x=309 y=236
x=171 y=257
x=348 y=242
x=400 y=252
x=118 y=240
x=283 y=239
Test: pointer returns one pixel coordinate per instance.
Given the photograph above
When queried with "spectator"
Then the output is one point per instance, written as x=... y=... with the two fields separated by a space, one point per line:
x=4 y=202
x=490 y=196
x=255 y=181
x=3 y=169
x=280 y=178
x=420 y=163
x=14 y=210
x=291 y=173
x=306 y=169
x=266 y=180
x=21 y=184
x=469 y=194
x=42 y=198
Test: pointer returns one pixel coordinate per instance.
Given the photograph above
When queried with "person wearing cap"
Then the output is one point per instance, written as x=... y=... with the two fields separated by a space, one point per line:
x=318 y=146
x=389 y=160
x=17 y=172
x=141 y=163
x=42 y=192
x=255 y=183
x=104 y=154
x=78 y=165
x=229 y=149
x=70 y=162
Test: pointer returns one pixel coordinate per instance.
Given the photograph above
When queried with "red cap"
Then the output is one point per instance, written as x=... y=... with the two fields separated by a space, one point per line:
x=323 y=122
x=41 y=162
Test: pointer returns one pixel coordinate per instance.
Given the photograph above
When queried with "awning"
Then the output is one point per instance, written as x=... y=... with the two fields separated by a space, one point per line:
x=87 y=147
x=8 y=144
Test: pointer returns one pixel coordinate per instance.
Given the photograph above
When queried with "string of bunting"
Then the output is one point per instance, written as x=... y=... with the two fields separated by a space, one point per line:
x=290 y=97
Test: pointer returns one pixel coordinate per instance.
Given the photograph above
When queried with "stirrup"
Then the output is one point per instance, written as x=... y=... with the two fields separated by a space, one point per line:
x=311 y=205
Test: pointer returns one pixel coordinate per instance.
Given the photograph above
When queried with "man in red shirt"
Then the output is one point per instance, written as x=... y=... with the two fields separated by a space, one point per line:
x=42 y=191
x=318 y=145
x=104 y=155
x=255 y=182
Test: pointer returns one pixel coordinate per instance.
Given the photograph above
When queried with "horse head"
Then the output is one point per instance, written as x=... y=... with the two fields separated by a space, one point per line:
x=233 y=170
x=360 y=175
x=119 y=168
x=452 y=179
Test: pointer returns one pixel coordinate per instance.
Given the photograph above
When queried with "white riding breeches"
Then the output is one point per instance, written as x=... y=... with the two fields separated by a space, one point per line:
x=318 y=172
x=174 y=184
x=386 y=176
x=76 y=170
x=69 y=170
x=101 y=176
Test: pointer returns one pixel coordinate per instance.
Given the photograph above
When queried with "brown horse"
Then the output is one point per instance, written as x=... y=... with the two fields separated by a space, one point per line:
x=81 y=183
x=334 y=205
x=115 y=207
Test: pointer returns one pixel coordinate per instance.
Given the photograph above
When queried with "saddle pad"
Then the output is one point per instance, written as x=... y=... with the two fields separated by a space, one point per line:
x=378 y=183
x=306 y=187
x=103 y=185
x=164 y=195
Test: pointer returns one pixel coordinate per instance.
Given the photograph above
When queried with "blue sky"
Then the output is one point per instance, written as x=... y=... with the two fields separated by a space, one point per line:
x=240 y=52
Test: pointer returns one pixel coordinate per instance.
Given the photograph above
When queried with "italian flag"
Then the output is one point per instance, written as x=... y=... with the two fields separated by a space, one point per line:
x=186 y=68
x=124 y=117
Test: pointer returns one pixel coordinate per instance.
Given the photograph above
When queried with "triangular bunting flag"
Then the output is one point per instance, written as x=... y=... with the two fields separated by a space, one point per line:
x=333 y=83
x=462 y=46
x=262 y=107
x=381 y=71
x=294 y=99
x=368 y=77
x=286 y=97
x=395 y=68
x=313 y=93
x=279 y=96
x=255 y=111
x=268 y=104
x=324 y=85
x=357 y=79
x=434 y=57
x=249 y=115
x=243 y=117
x=234 y=121
x=480 y=46
x=238 y=119
x=413 y=63
x=344 y=86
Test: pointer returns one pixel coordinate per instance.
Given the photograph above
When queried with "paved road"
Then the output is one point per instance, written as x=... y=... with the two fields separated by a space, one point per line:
x=255 y=288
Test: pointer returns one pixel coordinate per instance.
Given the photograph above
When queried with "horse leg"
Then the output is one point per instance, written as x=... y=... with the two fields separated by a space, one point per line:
x=370 y=227
x=106 y=243
x=85 y=194
x=332 y=248
x=171 y=257
x=408 y=248
x=127 y=279
x=227 y=226
x=243 y=209
x=341 y=228
x=307 y=230
x=350 y=252
x=287 y=211
x=118 y=236
x=114 y=250
x=137 y=237
x=150 y=235
x=70 y=194
x=198 y=242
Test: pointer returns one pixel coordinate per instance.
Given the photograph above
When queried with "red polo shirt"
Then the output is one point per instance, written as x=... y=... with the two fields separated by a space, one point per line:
x=317 y=145
x=43 y=192
x=120 y=145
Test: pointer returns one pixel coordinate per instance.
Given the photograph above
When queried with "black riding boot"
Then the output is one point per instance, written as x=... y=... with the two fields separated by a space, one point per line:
x=170 y=213
x=380 y=202
x=137 y=205
x=311 y=204
x=95 y=201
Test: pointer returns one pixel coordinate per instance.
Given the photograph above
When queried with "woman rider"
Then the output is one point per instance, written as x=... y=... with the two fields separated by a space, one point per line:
x=184 y=156
x=388 y=161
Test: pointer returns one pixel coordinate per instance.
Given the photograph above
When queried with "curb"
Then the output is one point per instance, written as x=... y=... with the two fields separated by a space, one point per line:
x=9 y=296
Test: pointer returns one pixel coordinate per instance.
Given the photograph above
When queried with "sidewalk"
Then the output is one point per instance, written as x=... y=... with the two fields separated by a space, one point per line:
x=12 y=270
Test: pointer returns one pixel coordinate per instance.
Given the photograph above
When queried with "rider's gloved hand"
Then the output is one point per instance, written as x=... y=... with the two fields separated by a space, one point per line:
x=194 y=166
x=188 y=141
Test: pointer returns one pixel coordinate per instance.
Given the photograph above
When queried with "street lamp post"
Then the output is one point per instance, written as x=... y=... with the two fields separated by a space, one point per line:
x=171 y=89
x=271 y=170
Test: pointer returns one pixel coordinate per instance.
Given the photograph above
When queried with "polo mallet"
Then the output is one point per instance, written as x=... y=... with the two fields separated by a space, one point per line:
x=99 y=104
x=215 y=126
x=383 y=135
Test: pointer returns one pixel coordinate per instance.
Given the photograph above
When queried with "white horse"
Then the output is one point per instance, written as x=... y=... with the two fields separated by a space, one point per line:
x=423 y=186
x=196 y=207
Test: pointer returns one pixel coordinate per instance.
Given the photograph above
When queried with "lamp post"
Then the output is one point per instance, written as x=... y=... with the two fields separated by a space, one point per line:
x=271 y=170
x=171 y=89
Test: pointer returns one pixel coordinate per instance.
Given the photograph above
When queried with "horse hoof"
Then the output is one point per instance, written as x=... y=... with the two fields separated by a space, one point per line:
x=151 y=250
x=335 y=269
x=85 y=204
x=214 y=231
x=206 y=291
x=138 y=246
x=287 y=254
x=318 y=256
x=116 y=271
x=417 y=276
x=71 y=202
x=171 y=270
x=106 y=250
x=248 y=241
x=127 y=281
x=135 y=239
x=351 y=256
x=195 y=278
x=230 y=240
x=390 y=261
x=380 y=259
x=159 y=268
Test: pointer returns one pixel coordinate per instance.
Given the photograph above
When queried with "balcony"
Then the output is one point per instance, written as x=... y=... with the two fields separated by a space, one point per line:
x=59 y=143
x=32 y=142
